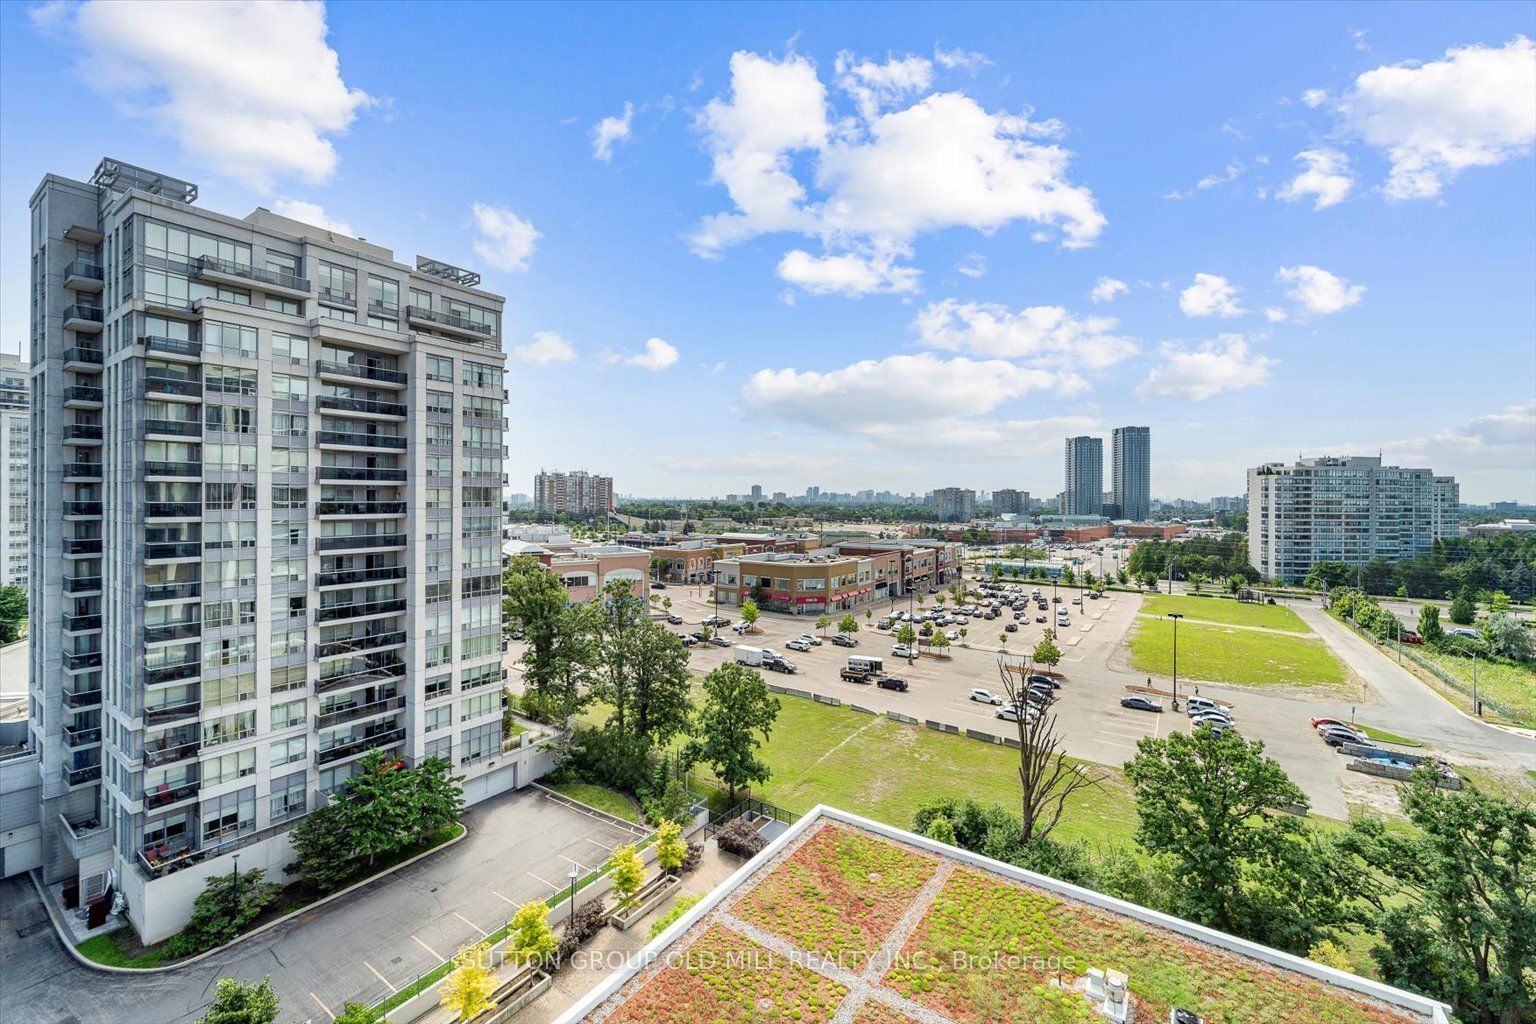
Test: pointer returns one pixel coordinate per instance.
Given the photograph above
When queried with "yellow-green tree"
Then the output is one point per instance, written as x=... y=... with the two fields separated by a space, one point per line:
x=750 y=613
x=468 y=987
x=530 y=937
x=671 y=848
x=627 y=870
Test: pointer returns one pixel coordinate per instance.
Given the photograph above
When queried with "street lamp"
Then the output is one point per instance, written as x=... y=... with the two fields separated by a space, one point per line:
x=1477 y=708
x=1175 y=616
x=234 y=878
x=572 y=916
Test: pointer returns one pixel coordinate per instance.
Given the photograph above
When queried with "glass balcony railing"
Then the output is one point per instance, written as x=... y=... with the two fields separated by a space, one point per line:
x=365 y=677
x=83 y=431
x=173 y=713
x=79 y=354
x=79 y=700
x=172 y=631
x=175 y=428
x=82 y=545
x=83 y=776
x=359 y=405
x=360 y=541
x=276 y=278
x=165 y=795
x=173 y=386
x=84 y=269
x=82 y=508
x=361 y=371
x=338 y=612
x=358 y=644
x=81 y=311
x=172 y=673
x=170 y=753
x=171 y=591
x=382 y=738
x=83 y=470
x=173 y=549
x=352 y=577
x=81 y=584
x=173 y=509
x=357 y=440
x=81 y=623
x=159 y=468
x=449 y=320
x=82 y=737
x=82 y=660
x=84 y=393
x=338 y=297
x=360 y=508
x=175 y=346
x=357 y=712
x=359 y=473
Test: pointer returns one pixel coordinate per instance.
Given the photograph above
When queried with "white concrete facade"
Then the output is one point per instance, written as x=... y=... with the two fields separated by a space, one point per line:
x=15 y=460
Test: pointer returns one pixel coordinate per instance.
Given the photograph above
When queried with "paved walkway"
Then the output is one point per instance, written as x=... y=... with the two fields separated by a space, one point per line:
x=364 y=946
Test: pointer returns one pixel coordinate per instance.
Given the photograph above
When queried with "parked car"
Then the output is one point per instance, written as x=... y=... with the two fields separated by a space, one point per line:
x=1210 y=714
x=1010 y=713
x=674 y=620
x=741 y=628
x=1039 y=618
x=1077 y=600
x=688 y=639
x=699 y=636
x=892 y=683
x=1337 y=736
x=719 y=641
x=717 y=620
x=1318 y=723
x=1208 y=718
x=1205 y=702
x=658 y=585
x=883 y=624
x=903 y=651
x=1011 y=627
x=1050 y=681
x=1041 y=691
x=844 y=640
x=780 y=665
x=1470 y=634
x=984 y=696
x=798 y=645
x=1412 y=639
x=810 y=638
x=1137 y=702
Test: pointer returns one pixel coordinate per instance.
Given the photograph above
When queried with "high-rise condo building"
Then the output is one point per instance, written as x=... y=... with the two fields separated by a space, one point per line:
x=1008 y=501
x=1131 y=472
x=1083 y=494
x=578 y=493
x=267 y=473
x=15 y=456
x=1349 y=509
x=954 y=504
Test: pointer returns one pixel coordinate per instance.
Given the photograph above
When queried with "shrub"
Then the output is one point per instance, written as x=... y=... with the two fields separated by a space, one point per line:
x=239 y=1002
x=467 y=989
x=627 y=869
x=670 y=847
x=530 y=938
x=672 y=805
x=692 y=857
x=679 y=908
x=585 y=923
x=356 y=1013
x=740 y=838
x=226 y=907
x=611 y=758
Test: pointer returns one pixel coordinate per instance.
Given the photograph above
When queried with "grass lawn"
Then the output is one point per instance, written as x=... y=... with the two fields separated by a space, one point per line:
x=120 y=949
x=604 y=799
x=1245 y=657
x=1509 y=686
x=885 y=770
x=1382 y=736
x=1226 y=612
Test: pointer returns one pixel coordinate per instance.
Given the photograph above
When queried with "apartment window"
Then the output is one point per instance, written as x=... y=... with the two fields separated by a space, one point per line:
x=383 y=294
x=289 y=570
x=439 y=465
x=291 y=677
x=439 y=686
x=287 y=641
x=421 y=299
x=480 y=647
x=229 y=728
x=288 y=797
x=439 y=718
x=234 y=651
x=442 y=748
x=439 y=367
x=288 y=606
x=480 y=497
x=439 y=654
x=236 y=764
x=480 y=375
x=217 y=614
x=337 y=283
x=228 y=380
x=278 y=304
x=439 y=497
x=439 y=561
x=229 y=339
x=481 y=741
x=286 y=496
x=292 y=348
x=234 y=458
x=286 y=388
x=290 y=460
x=348 y=316
x=440 y=401
x=229 y=690
x=481 y=586
x=438 y=623
x=383 y=323
x=229 y=419
x=286 y=716
x=230 y=814
x=437 y=592
x=440 y=433
x=485 y=675
x=479 y=706
x=474 y=617
x=289 y=751
x=178 y=245
x=229 y=497
x=290 y=424
x=228 y=536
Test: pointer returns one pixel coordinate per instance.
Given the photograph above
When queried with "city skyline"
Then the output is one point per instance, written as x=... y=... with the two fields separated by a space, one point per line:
x=1308 y=218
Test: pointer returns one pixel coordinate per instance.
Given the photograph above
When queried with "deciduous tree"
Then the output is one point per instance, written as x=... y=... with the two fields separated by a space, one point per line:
x=737 y=715
x=466 y=991
x=530 y=939
x=241 y=1002
x=1047 y=778
x=626 y=870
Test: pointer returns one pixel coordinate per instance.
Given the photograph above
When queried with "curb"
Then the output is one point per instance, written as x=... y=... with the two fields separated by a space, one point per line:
x=62 y=931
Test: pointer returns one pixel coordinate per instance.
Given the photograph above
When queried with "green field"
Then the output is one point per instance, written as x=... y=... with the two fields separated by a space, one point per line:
x=601 y=797
x=1223 y=654
x=1509 y=686
x=1226 y=612
x=885 y=770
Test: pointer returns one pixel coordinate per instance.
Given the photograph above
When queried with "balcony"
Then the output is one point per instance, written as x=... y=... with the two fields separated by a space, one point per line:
x=354 y=577
x=359 y=473
x=173 y=428
x=349 y=439
x=172 y=714
x=276 y=282
x=81 y=661
x=82 y=584
x=366 y=677
x=82 y=700
x=82 y=471
x=449 y=322
x=360 y=542
x=83 y=396
x=171 y=753
x=156 y=468
x=83 y=319
x=173 y=510
x=83 y=276
x=85 y=837
x=173 y=347
x=87 y=359
x=337 y=297
x=76 y=738
x=360 y=508
x=172 y=673
x=157 y=592
x=362 y=371
x=338 y=612
x=78 y=432
x=378 y=307
x=358 y=644
x=82 y=776
x=83 y=234
x=82 y=623
x=382 y=738
x=172 y=551
x=82 y=510
x=358 y=712
x=165 y=795
x=363 y=406
x=82 y=545
x=173 y=387
x=166 y=632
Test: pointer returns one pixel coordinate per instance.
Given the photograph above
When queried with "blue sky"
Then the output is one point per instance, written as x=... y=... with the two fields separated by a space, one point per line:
x=892 y=246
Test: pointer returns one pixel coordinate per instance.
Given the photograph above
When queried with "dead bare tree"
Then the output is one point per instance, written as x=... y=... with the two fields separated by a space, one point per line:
x=1046 y=777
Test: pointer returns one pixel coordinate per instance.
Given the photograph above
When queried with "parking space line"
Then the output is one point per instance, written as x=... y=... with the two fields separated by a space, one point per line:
x=542 y=881
x=594 y=842
x=424 y=946
x=322 y=1006
x=505 y=899
x=467 y=921
x=579 y=864
x=381 y=977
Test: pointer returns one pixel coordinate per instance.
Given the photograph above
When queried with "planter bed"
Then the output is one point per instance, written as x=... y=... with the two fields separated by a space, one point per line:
x=651 y=895
x=523 y=988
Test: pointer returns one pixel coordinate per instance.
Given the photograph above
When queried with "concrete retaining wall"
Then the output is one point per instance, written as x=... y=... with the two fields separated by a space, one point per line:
x=856 y=707
x=897 y=716
x=830 y=701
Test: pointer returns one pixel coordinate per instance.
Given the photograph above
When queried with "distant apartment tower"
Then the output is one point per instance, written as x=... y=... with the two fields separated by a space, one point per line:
x=1131 y=472
x=1007 y=501
x=1083 y=493
x=954 y=504
x=756 y=494
x=577 y=493
x=1348 y=509
x=15 y=443
x=265 y=511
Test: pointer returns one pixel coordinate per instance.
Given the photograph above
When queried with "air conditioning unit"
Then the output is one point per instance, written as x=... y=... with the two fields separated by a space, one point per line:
x=1185 y=1017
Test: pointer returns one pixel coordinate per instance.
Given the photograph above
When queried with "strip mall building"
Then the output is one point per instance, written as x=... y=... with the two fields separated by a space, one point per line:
x=835 y=579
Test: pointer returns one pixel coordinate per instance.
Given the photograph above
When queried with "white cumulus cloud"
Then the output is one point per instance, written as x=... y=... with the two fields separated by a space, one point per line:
x=1210 y=295
x=1205 y=370
x=1036 y=335
x=1325 y=179
x=546 y=347
x=1315 y=98
x=311 y=213
x=1475 y=107
x=1106 y=288
x=657 y=355
x=611 y=130
x=1319 y=292
x=846 y=274
x=502 y=238
x=974 y=265
x=250 y=90
x=873 y=86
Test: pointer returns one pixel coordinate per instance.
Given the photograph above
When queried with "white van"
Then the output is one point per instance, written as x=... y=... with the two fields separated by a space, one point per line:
x=866 y=663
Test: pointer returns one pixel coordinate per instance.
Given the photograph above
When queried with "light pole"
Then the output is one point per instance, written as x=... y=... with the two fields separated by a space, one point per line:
x=234 y=878
x=1477 y=708
x=1175 y=616
x=571 y=917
